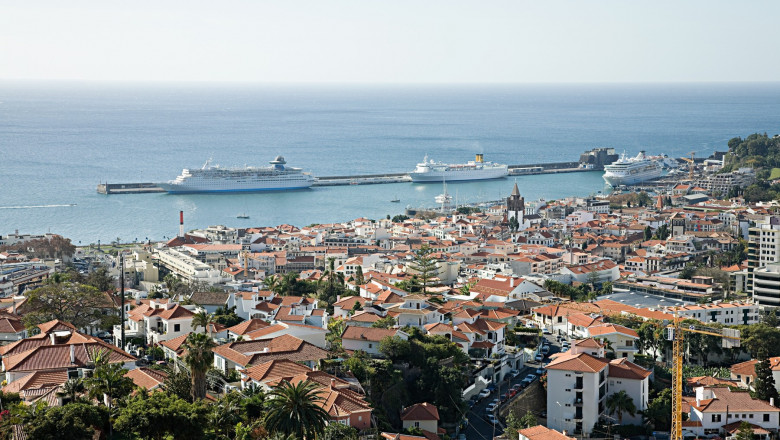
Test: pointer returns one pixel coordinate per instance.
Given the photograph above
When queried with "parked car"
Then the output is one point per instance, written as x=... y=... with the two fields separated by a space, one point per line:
x=545 y=331
x=514 y=373
x=484 y=393
x=492 y=419
x=565 y=344
x=517 y=387
x=539 y=357
x=539 y=371
x=546 y=349
x=528 y=379
x=512 y=392
x=490 y=408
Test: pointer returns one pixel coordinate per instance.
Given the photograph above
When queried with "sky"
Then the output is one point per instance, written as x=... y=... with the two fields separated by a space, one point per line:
x=390 y=41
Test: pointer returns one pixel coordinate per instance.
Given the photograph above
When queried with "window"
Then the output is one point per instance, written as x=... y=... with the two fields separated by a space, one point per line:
x=370 y=345
x=416 y=424
x=766 y=417
x=176 y=327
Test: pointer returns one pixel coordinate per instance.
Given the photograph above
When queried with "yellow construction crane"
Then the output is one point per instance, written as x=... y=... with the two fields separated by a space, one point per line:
x=691 y=164
x=675 y=333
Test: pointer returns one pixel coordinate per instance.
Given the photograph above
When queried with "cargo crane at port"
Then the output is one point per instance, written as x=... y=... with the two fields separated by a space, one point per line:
x=675 y=333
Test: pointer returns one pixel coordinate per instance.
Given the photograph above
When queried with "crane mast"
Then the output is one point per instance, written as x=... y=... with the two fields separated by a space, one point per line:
x=676 y=333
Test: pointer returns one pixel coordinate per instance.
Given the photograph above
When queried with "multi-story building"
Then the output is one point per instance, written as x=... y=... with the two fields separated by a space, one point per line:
x=583 y=383
x=734 y=313
x=763 y=249
x=766 y=285
x=188 y=267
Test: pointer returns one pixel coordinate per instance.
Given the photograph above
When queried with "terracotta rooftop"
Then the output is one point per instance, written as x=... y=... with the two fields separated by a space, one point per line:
x=623 y=369
x=579 y=362
x=420 y=411
x=540 y=432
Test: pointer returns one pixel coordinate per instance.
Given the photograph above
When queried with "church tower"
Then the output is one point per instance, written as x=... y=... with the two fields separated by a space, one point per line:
x=515 y=205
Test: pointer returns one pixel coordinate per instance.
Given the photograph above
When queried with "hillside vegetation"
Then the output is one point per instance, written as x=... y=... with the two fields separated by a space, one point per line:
x=758 y=151
x=761 y=153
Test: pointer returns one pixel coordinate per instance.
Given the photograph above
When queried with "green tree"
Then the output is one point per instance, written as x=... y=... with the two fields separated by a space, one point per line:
x=199 y=359
x=225 y=414
x=659 y=411
x=760 y=338
x=179 y=383
x=648 y=233
x=621 y=403
x=78 y=304
x=77 y=421
x=227 y=316
x=765 y=381
x=333 y=337
x=688 y=271
x=295 y=409
x=337 y=431
x=73 y=387
x=528 y=420
x=161 y=415
x=394 y=348
x=769 y=318
x=400 y=218
x=100 y=279
x=386 y=322
x=359 y=279
x=108 y=381
x=425 y=266
x=514 y=225
x=745 y=431
x=514 y=423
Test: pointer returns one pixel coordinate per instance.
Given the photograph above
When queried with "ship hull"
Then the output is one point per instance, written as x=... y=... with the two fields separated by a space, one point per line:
x=458 y=176
x=206 y=187
x=615 y=180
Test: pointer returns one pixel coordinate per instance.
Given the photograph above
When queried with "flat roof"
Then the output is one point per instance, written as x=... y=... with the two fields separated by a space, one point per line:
x=644 y=300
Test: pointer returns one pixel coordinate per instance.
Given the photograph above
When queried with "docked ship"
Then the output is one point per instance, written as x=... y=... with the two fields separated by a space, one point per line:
x=478 y=169
x=631 y=170
x=213 y=178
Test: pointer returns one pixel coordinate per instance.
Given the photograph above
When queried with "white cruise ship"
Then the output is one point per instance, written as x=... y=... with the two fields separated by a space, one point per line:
x=213 y=178
x=632 y=170
x=430 y=171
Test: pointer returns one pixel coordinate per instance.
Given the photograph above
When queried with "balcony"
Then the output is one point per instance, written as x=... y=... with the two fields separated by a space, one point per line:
x=578 y=385
x=577 y=403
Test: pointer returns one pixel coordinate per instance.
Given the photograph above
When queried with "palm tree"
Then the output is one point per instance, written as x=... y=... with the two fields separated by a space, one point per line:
x=295 y=409
x=332 y=276
x=271 y=282
x=109 y=382
x=621 y=403
x=203 y=319
x=199 y=359
x=73 y=387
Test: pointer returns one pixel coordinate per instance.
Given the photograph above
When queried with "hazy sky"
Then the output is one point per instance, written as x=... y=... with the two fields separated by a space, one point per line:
x=406 y=41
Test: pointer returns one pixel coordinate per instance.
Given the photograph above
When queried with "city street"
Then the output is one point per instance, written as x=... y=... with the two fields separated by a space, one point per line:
x=479 y=428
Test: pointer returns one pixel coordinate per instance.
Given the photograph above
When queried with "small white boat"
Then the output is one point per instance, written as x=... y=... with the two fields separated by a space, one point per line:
x=395 y=200
x=243 y=215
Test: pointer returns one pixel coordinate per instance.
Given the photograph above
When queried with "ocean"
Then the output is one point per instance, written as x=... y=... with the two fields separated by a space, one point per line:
x=58 y=141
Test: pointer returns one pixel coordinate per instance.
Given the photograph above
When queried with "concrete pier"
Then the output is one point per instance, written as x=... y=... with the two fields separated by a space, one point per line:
x=359 y=179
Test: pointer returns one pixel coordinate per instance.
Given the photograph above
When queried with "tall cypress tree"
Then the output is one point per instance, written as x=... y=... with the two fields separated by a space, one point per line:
x=765 y=382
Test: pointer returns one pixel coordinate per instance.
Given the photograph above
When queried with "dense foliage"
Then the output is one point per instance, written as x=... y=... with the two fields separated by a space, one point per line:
x=762 y=153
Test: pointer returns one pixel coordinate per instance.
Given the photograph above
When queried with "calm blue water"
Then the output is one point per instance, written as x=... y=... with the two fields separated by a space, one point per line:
x=58 y=141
